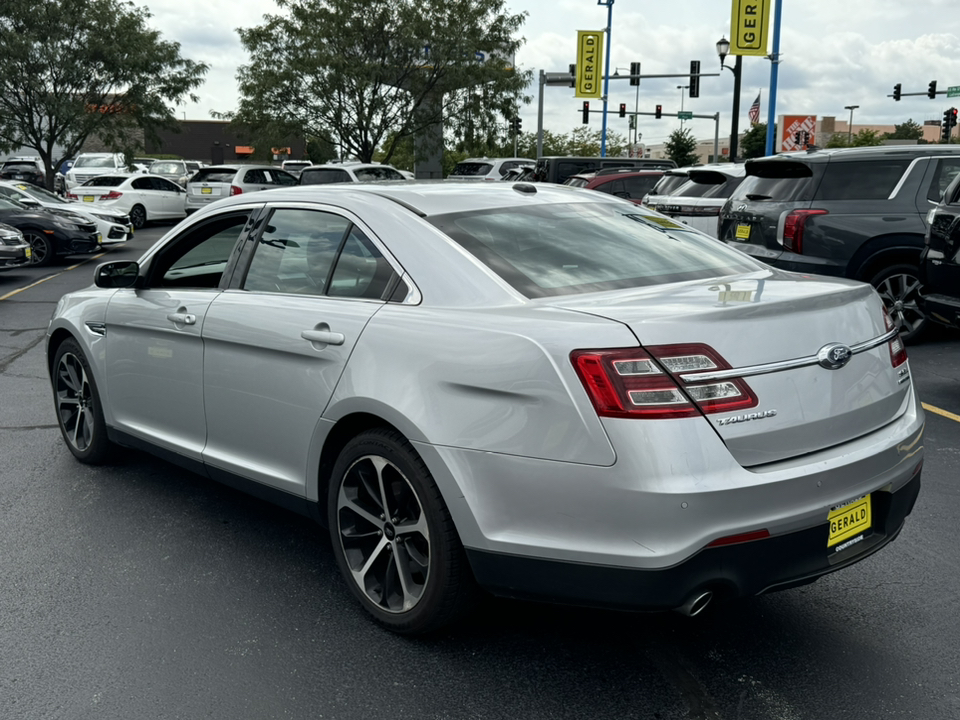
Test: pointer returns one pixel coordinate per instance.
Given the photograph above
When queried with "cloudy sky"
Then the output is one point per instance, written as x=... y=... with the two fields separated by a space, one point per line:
x=835 y=53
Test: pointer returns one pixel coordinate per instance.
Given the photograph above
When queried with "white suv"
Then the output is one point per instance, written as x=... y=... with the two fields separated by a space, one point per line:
x=348 y=172
x=89 y=165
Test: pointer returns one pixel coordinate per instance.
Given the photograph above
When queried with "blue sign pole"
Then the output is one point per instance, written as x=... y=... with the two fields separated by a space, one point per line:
x=774 y=67
x=606 y=76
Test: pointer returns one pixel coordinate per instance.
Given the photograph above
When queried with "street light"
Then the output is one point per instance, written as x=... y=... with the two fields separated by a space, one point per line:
x=636 y=105
x=723 y=49
x=851 y=108
x=681 y=88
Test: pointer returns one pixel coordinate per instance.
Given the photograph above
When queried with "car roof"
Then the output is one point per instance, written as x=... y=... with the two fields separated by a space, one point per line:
x=861 y=153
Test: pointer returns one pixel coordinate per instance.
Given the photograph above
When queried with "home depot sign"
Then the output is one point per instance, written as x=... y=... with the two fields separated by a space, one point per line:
x=790 y=125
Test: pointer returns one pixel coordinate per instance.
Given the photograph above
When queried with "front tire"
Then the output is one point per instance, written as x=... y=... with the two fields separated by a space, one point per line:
x=77 y=401
x=138 y=216
x=393 y=536
x=899 y=288
x=41 y=248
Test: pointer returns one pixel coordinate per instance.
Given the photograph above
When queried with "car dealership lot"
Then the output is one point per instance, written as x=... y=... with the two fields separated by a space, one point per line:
x=139 y=590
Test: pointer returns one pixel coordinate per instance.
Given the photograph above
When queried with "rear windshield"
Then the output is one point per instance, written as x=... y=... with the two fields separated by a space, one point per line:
x=870 y=180
x=471 y=169
x=95 y=162
x=214 y=175
x=324 y=176
x=377 y=173
x=667 y=184
x=19 y=167
x=551 y=250
x=576 y=182
x=716 y=185
x=105 y=181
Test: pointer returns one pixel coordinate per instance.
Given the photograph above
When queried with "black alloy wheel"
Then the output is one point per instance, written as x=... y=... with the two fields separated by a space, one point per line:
x=899 y=288
x=138 y=216
x=77 y=401
x=41 y=248
x=393 y=536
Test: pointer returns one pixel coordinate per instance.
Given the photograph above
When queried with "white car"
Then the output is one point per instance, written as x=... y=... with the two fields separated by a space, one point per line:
x=698 y=201
x=89 y=165
x=113 y=225
x=143 y=197
x=294 y=167
x=348 y=172
x=486 y=168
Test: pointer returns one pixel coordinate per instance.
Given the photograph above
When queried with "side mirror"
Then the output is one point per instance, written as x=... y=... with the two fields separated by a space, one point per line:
x=29 y=201
x=120 y=274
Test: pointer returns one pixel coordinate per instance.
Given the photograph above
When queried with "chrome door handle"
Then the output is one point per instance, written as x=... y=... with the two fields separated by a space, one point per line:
x=323 y=336
x=182 y=318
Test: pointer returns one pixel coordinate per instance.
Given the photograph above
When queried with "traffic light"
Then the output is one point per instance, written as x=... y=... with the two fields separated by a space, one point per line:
x=573 y=75
x=519 y=121
x=932 y=89
x=634 y=73
x=586 y=112
x=658 y=112
x=896 y=92
x=623 y=109
x=515 y=124
x=694 y=78
x=949 y=121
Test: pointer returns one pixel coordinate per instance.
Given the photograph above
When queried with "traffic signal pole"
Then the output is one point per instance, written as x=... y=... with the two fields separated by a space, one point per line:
x=606 y=74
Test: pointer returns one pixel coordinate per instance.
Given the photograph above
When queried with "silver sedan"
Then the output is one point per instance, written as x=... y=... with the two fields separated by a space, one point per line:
x=539 y=391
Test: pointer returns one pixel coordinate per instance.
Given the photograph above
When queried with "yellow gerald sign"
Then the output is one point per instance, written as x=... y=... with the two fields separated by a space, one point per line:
x=750 y=27
x=589 y=63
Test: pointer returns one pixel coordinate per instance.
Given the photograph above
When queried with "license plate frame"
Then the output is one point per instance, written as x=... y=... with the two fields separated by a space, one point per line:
x=742 y=232
x=89 y=198
x=206 y=191
x=849 y=520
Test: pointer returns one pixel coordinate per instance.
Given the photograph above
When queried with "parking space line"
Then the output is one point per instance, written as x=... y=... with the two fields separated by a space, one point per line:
x=938 y=411
x=50 y=277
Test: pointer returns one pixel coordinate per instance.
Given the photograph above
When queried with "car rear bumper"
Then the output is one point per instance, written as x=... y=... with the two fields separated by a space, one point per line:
x=942 y=308
x=741 y=570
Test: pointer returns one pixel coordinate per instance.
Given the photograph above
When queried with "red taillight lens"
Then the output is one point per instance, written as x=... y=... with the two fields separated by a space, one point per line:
x=659 y=382
x=112 y=195
x=71 y=196
x=234 y=190
x=898 y=351
x=741 y=538
x=793 y=226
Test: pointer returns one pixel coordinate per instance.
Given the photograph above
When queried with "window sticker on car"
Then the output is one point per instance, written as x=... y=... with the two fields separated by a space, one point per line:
x=665 y=223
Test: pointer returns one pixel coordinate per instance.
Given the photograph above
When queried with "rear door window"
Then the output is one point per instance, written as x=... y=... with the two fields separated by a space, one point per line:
x=944 y=173
x=861 y=180
x=637 y=187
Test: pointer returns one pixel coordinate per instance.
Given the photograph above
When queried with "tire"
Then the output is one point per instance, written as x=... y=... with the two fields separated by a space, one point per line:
x=77 y=403
x=899 y=288
x=414 y=537
x=138 y=216
x=41 y=248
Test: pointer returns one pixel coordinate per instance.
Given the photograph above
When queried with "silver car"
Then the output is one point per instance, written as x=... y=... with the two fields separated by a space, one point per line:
x=547 y=392
x=212 y=183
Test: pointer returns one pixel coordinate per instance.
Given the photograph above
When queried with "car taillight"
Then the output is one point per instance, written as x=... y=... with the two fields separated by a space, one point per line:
x=659 y=382
x=898 y=351
x=71 y=196
x=793 y=226
x=234 y=190
x=112 y=195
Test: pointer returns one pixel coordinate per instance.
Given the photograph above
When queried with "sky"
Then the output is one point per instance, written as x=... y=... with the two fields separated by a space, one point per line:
x=834 y=53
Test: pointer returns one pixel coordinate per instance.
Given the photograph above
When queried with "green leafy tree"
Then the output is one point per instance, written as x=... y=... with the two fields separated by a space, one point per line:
x=863 y=138
x=376 y=72
x=906 y=131
x=681 y=147
x=753 y=144
x=72 y=69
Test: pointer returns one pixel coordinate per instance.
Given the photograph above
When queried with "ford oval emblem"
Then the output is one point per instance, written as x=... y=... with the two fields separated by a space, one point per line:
x=834 y=356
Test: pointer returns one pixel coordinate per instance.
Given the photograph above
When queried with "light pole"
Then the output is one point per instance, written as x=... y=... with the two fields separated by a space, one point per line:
x=681 y=88
x=606 y=74
x=636 y=104
x=851 y=108
x=723 y=49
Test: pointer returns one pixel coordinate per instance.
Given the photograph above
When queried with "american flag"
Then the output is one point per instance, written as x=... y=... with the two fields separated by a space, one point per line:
x=755 y=111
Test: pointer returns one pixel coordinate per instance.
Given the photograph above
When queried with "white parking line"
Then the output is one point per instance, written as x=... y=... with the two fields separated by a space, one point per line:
x=929 y=408
x=50 y=277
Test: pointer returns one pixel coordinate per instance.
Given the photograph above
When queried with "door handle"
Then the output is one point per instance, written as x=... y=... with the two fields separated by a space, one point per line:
x=323 y=336
x=182 y=318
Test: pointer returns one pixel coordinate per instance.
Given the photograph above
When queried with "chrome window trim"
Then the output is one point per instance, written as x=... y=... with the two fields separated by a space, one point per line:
x=752 y=370
x=906 y=174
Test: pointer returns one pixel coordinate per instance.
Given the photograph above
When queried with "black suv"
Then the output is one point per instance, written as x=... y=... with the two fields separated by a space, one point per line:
x=940 y=262
x=854 y=212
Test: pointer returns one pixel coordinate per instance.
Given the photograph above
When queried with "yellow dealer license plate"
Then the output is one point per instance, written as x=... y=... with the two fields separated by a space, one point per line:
x=88 y=198
x=847 y=521
x=206 y=191
x=743 y=232
x=28 y=253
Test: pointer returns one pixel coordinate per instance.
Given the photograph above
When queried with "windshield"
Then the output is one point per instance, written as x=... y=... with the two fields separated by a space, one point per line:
x=168 y=168
x=94 y=162
x=8 y=203
x=550 y=250
x=41 y=194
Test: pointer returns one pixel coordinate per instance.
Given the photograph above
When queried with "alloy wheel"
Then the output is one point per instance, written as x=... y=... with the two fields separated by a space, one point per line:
x=138 y=216
x=75 y=402
x=39 y=248
x=899 y=293
x=384 y=534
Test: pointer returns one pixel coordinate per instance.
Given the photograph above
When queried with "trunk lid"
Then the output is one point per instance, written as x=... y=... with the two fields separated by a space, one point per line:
x=772 y=317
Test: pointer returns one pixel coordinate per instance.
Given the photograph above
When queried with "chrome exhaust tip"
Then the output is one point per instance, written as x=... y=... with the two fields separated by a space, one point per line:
x=696 y=604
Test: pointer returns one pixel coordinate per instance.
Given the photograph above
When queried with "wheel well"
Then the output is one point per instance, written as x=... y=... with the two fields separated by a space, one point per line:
x=883 y=252
x=55 y=341
x=345 y=430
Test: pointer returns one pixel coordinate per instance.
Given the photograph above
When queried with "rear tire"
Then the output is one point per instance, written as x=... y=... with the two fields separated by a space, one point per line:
x=899 y=288
x=393 y=536
x=77 y=402
x=138 y=216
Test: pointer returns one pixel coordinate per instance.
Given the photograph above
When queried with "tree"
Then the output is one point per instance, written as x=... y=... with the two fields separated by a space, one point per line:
x=376 y=72
x=753 y=144
x=70 y=69
x=906 y=131
x=864 y=137
x=681 y=147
